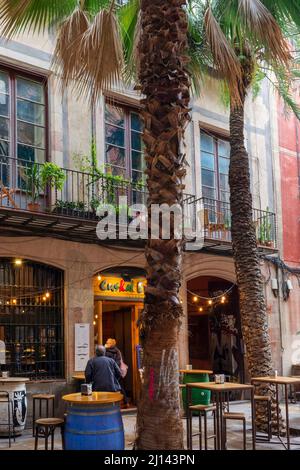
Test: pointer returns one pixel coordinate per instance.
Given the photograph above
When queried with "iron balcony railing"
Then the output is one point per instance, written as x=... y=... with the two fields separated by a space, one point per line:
x=35 y=187
x=213 y=217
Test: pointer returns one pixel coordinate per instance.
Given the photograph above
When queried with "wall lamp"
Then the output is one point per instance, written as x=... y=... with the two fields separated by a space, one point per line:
x=274 y=286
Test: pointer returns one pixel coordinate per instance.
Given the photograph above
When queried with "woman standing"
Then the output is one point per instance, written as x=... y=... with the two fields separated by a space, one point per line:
x=113 y=352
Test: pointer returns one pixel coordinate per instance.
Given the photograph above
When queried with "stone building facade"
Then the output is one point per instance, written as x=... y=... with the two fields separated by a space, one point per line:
x=70 y=128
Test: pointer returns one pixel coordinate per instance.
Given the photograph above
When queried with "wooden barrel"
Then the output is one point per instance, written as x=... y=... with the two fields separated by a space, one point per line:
x=94 y=426
x=199 y=396
x=16 y=389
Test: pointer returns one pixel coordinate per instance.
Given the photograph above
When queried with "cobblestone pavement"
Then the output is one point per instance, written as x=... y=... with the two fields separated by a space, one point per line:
x=234 y=433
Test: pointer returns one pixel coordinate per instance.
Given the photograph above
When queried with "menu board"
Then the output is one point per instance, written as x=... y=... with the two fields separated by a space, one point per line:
x=82 y=345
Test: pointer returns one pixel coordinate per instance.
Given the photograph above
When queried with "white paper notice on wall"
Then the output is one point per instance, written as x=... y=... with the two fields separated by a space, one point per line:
x=82 y=345
x=2 y=352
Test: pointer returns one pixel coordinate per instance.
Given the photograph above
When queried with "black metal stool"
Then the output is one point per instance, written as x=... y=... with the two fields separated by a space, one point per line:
x=265 y=399
x=236 y=417
x=4 y=399
x=45 y=428
x=40 y=398
x=203 y=410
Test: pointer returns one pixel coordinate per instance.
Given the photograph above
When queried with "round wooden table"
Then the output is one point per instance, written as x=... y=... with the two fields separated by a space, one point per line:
x=94 y=422
x=16 y=388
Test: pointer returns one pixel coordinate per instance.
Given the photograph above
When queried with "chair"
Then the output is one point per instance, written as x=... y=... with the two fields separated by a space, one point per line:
x=45 y=428
x=7 y=193
x=203 y=411
x=235 y=417
x=267 y=400
x=39 y=399
x=6 y=400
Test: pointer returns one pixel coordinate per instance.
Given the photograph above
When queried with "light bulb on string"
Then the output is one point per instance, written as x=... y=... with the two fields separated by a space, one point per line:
x=18 y=262
x=210 y=302
x=96 y=316
x=200 y=309
x=195 y=298
x=94 y=323
x=44 y=298
x=14 y=301
x=47 y=295
x=223 y=299
x=99 y=277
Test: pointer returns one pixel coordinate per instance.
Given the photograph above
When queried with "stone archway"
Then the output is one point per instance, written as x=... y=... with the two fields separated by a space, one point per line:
x=213 y=333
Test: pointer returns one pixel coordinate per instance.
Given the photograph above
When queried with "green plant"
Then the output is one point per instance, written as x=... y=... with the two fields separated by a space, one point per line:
x=265 y=228
x=52 y=175
x=32 y=176
x=70 y=205
x=227 y=222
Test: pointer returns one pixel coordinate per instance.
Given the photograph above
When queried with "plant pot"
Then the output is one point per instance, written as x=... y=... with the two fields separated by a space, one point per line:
x=33 y=206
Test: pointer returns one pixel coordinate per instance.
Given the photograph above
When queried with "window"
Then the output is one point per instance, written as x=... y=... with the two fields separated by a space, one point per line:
x=22 y=117
x=31 y=319
x=215 y=154
x=123 y=139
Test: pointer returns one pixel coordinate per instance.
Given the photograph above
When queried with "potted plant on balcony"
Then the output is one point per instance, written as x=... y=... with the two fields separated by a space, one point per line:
x=53 y=176
x=32 y=176
x=69 y=208
x=265 y=230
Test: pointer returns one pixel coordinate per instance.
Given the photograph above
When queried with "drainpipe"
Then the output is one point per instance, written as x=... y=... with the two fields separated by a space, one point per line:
x=298 y=153
x=279 y=280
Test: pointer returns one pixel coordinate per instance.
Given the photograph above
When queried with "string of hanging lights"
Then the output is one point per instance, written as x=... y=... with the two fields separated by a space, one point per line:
x=209 y=301
x=197 y=297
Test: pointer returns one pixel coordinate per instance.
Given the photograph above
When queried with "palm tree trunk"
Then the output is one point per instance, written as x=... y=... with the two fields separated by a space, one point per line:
x=247 y=263
x=165 y=84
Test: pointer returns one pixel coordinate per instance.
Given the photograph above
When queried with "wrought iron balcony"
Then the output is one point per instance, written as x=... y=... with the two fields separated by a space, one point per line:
x=48 y=200
x=49 y=189
x=214 y=219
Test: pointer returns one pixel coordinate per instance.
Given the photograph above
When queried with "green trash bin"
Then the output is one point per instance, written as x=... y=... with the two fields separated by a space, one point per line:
x=199 y=397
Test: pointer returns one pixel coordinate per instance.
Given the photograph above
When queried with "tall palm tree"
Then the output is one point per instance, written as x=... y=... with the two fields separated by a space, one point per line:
x=255 y=31
x=164 y=81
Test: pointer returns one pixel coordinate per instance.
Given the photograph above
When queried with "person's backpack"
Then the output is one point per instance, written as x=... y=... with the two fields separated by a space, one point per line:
x=123 y=368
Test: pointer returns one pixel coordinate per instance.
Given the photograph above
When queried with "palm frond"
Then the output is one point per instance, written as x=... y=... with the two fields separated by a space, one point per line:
x=262 y=26
x=67 y=61
x=16 y=16
x=284 y=11
x=33 y=15
x=284 y=82
x=102 y=55
x=130 y=25
x=225 y=60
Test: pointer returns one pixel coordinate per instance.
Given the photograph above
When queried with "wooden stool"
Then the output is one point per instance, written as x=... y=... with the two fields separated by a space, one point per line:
x=40 y=398
x=265 y=399
x=203 y=411
x=236 y=417
x=44 y=428
x=6 y=401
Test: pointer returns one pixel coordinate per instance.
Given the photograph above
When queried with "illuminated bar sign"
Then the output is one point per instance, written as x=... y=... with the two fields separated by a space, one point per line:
x=117 y=287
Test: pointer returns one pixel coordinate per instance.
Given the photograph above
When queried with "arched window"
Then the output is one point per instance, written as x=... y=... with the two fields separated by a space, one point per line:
x=31 y=319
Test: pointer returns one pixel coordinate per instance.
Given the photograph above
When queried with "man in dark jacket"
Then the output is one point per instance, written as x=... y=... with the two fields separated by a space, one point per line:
x=103 y=372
